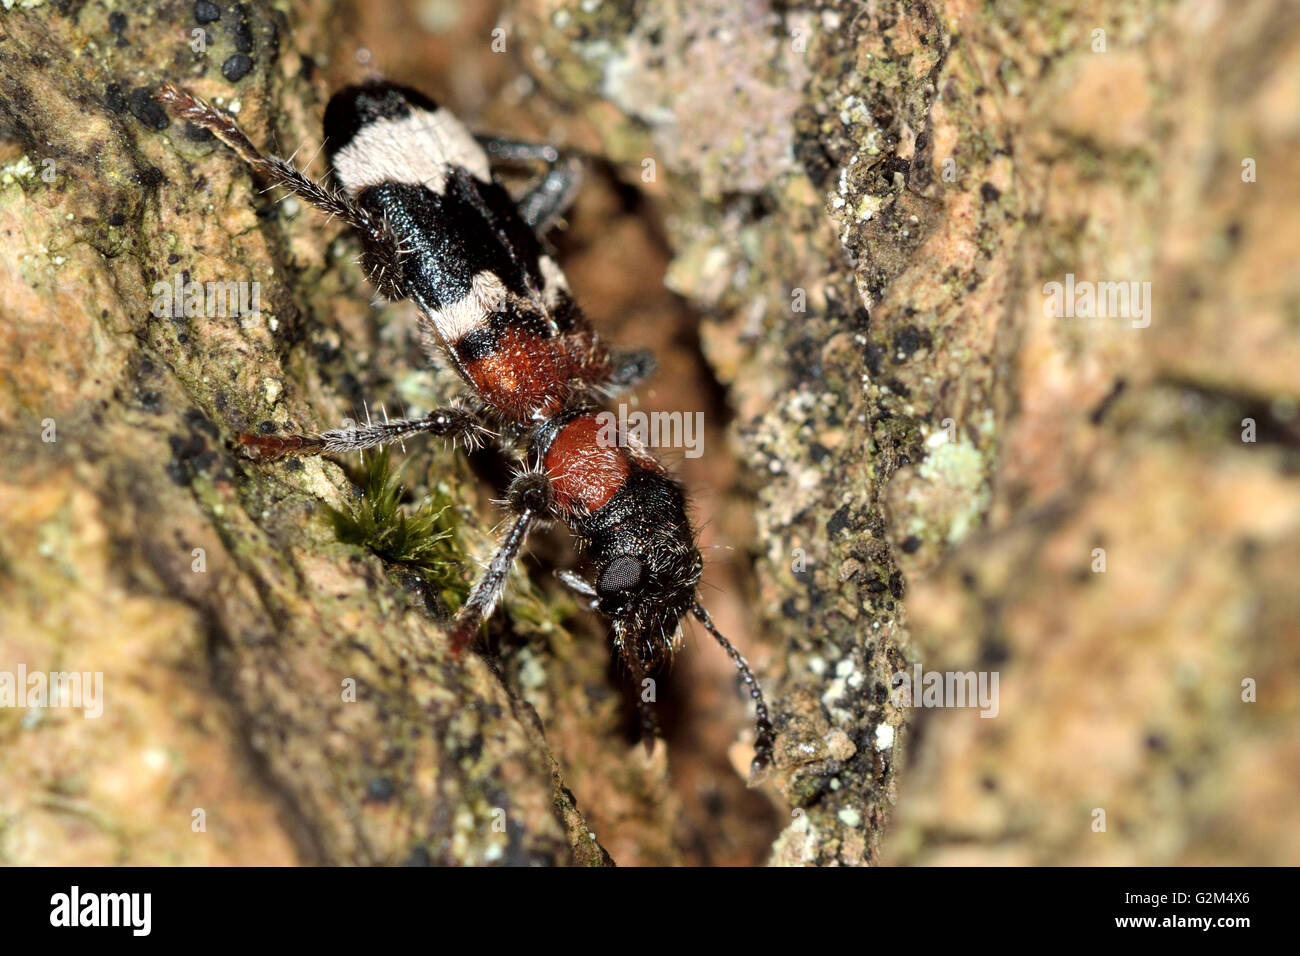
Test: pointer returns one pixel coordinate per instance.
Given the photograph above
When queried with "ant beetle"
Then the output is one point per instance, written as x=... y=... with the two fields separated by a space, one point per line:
x=437 y=227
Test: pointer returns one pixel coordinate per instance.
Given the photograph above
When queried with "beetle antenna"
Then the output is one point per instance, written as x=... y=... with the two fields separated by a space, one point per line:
x=763 y=742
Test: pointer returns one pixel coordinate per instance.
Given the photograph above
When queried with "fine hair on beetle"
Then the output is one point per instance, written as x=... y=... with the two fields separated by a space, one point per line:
x=437 y=226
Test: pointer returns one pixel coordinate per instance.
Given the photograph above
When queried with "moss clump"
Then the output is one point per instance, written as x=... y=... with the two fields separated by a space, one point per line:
x=422 y=540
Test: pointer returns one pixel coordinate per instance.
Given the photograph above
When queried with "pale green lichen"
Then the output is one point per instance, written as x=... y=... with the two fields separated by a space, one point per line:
x=959 y=468
x=20 y=168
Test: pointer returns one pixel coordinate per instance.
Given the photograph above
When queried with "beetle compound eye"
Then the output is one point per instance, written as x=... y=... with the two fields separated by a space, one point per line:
x=623 y=574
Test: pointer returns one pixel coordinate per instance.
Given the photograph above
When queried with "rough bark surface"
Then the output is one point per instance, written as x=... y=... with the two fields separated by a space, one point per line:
x=857 y=206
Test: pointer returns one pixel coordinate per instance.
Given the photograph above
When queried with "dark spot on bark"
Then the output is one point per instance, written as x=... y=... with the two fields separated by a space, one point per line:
x=473 y=750
x=911 y=544
x=838 y=521
x=892 y=166
x=805 y=361
x=990 y=193
x=993 y=651
x=380 y=790
x=205 y=11
x=150 y=177
x=899 y=389
x=236 y=67
x=187 y=450
x=1099 y=413
x=714 y=804
x=908 y=341
x=875 y=358
x=241 y=32
x=147 y=109
x=115 y=99
x=198 y=422
x=811 y=152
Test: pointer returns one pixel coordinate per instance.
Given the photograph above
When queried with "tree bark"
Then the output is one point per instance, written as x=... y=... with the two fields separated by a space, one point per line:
x=861 y=207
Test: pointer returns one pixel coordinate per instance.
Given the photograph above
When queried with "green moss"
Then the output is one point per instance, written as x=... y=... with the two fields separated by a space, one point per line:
x=422 y=540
